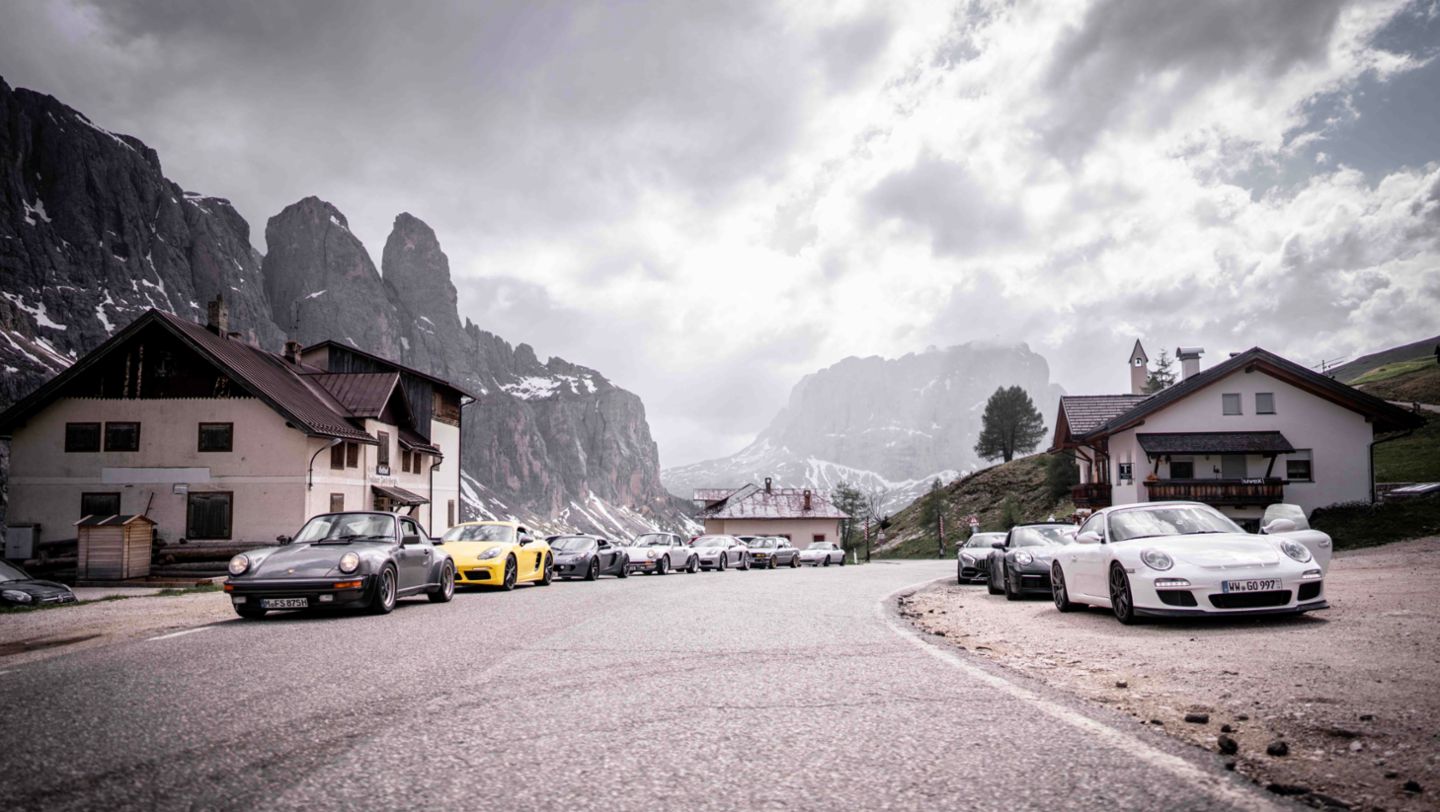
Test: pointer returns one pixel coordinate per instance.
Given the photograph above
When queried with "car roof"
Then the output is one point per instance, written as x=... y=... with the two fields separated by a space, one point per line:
x=489 y=522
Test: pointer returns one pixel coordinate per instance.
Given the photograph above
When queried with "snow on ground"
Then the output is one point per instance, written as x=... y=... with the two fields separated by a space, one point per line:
x=315 y=294
x=33 y=210
x=37 y=312
x=100 y=313
x=538 y=387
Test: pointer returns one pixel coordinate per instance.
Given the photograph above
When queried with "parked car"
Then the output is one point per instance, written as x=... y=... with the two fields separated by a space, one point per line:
x=1020 y=564
x=716 y=552
x=659 y=553
x=587 y=557
x=361 y=558
x=972 y=560
x=1290 y=521
x=768 y=552
x=17 y=588
x=822 y=553
x=499 y=554
x=1183 y=558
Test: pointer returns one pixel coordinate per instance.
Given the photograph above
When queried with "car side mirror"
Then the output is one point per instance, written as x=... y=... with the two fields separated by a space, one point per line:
x=437 y=541
x=1279 y=526
x=998 y=545
x=1088 y=537
x=603 y=543
x=406 y=541
x=283 y=539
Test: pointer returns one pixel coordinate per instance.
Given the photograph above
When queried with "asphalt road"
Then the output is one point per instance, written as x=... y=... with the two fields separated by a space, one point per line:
x=759 y=690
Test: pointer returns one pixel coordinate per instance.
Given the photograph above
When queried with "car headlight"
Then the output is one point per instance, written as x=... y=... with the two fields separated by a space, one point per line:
x=349 y=562
x=239 y=564
x=1156 y=559
x=1295 y=550
x=1024 y=559
x=967 y=558
x=17 y=596
x=493 y=552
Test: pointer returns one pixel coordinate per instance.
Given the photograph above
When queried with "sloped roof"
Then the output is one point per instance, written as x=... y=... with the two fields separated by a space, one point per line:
x=776 y=503
x=363 y=394
x=1085 y=413
x=329 y=343
x=413 y=441
x=1215 y=442
x=711 y=494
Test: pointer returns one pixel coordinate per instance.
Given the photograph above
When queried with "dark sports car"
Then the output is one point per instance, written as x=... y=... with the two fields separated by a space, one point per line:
x=972 y=560
x=17 y=588
x=588 y=557
x=1020 y=565
x=366 y=559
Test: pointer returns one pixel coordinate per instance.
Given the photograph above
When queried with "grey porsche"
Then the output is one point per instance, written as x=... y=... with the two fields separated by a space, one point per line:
x=588 y=557
x=356 y=559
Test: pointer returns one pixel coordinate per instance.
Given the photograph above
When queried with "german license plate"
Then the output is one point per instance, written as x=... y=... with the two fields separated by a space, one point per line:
x=1252 y=585
x=284 y=603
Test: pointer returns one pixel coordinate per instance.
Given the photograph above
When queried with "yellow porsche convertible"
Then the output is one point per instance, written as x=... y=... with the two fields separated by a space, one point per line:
x=500 y=554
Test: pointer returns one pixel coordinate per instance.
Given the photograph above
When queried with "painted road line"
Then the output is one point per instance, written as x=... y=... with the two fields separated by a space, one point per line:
x=182 y=631
x=1216 y=786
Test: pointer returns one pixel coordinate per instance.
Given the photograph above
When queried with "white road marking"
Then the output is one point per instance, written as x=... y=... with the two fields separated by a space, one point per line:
x=183 y=631
x=1218 y=787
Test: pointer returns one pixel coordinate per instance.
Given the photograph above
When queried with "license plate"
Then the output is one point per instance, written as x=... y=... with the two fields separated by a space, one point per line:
x=285 y=603
x=1252 y=585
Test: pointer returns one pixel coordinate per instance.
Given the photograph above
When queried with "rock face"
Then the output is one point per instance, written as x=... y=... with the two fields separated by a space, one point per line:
x=887 y=424
x=92 y=234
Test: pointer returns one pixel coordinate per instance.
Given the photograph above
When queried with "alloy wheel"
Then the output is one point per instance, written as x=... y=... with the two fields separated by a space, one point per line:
x=509 y=581
x=1122 y=603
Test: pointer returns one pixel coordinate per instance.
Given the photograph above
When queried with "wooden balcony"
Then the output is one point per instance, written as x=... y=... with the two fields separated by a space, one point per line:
x=1231 y=492
x=1092 y=495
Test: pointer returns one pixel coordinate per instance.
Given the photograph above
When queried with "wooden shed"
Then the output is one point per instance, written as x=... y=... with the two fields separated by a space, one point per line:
x=113 y=548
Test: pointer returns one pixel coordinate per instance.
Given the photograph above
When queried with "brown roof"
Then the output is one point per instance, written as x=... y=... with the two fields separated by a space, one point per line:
x=387 y=362
x=399 y=495
x=1215 y=442
x=363 y=394
x=777 y=503
x=1085 y=413
x=413 y=441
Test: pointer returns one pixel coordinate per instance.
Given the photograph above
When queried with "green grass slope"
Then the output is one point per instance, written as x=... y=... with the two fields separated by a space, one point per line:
x=982 y=493
x=1407 y=382
x=1349 y=372
x=1415 y=458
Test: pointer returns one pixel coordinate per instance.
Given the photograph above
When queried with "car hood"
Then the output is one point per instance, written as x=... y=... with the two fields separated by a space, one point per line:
x=1219 y=551
x=708 y=552
x=305 y=560
x=471 y=550
x=566 y=558
x=37 y=589
x=641 y=552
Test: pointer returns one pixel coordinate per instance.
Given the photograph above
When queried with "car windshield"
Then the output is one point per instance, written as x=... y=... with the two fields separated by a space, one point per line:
x=1040 y=535
x=1178 y=520
x=984 y=539
x=652 y=540
x=763 y=544
x=572 y=544
x=347 y=527
x=712 y=541
x=480 y=532
x=10 y=572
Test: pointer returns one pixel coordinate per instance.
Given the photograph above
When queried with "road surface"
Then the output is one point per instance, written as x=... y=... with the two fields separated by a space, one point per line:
x=738 y=690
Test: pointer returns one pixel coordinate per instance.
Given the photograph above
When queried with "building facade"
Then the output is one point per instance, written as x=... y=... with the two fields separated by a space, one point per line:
x=217 y=440
x=798 y=514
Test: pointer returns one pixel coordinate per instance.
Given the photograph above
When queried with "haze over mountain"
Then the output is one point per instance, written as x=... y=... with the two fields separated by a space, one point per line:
x=92 y=233
x=892 y=425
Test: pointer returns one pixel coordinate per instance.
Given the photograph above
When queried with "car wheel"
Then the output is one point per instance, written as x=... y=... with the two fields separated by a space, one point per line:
x=1122 y=601
x=990 y=581
x=744 y=561
x=383 y=601
x=693 y=565
x=624 y=569
x=547 y=572
x=959 y=579
x=446 y=590
x=720 y=566
x=508 y=581
x=662 y=566
x=770 y=563
x=795 y=561
x=1010 y=594
x=827 y=560
x=593 y=573
x=250 y=612
x=1058 y=591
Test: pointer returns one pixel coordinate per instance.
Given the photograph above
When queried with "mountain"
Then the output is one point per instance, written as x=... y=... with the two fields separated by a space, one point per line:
x=92 y=234
x=892 y=425
x=1422 y=350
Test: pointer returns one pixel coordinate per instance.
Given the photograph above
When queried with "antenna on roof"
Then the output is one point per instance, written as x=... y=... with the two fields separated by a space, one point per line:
x=1325 y=366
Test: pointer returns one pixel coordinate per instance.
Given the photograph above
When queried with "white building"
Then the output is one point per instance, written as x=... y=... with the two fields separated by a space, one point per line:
x=798 y=514
x=1249 y=432
x=215 y=439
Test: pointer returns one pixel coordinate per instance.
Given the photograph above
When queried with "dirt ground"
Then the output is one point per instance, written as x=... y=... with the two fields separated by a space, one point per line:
x=1352 y=691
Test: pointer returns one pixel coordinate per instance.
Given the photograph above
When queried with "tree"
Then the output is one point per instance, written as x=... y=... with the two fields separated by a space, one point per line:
x=850 y=501
x=1011 y=425
x=1061 y=474
x=1161 y=376
x=1010 y=513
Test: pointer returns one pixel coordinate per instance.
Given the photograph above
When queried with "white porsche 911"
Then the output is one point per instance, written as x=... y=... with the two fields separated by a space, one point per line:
x=1185 y=559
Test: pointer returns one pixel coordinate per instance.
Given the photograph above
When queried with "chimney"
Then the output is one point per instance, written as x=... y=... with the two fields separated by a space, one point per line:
x=807 y=500
x=217 y=317
x=767 y=484
x=292 y=352
x=1189 y=360
x=1139 y=369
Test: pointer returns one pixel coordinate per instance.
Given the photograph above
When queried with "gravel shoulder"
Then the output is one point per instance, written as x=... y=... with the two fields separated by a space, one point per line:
x=27 y=637
x=1353 y=691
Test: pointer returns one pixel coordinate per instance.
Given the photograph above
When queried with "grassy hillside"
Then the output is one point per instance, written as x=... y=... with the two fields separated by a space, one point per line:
x=1408 y=381
x=983 y=494
x=1350 y=372
x=1411 y=459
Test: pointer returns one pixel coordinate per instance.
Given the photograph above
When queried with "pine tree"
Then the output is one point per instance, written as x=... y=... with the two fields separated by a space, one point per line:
x=850 y=501
x=1161 y=376
x=1011 y=425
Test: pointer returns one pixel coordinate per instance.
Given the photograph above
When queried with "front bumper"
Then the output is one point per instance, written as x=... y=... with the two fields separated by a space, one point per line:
x=643 y=566
x=315 y=591
x=491 y=571
x=1206 y=596
x=574 y=568
x=1033 y=579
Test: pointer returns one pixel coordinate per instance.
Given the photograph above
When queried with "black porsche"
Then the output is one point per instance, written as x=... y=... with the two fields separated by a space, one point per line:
x=364 y=559
x=17 y=588
x=588 y=557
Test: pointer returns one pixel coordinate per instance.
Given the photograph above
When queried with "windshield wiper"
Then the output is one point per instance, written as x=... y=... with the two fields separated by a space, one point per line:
x=348 y=539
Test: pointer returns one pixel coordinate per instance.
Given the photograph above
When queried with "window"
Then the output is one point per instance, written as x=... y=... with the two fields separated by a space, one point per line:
x=1182 y=469
x=352 y=455
x=337 y=457
x=1127 y=471
x=1095 y=524
x=122 y=436
x=1299 y=468
x=1232 y=466
x=405 y=457
x=1230 y=403
x=818 y=537
x=208 y=515
x=382 y=454
x=337 y=502
x=217 y=437
x=82 y=437
x=1264 y=403
x=450 y=513
x=99 y=504
x=408 y=527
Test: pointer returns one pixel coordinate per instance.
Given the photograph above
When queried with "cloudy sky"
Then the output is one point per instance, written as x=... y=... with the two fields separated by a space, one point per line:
x=706 y=201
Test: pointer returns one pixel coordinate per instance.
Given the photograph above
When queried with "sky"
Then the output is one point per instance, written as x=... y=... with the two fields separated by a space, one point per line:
x=707 y=201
